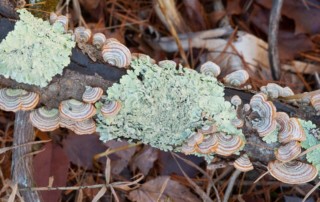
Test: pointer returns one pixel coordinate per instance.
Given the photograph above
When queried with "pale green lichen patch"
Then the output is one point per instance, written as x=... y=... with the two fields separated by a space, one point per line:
x=271 y=137
x=161 y=106
x=35 y=51
x=312 y=156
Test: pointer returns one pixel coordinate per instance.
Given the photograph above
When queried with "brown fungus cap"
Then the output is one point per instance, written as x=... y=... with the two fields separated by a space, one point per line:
x=293 y=172
x=194 y=138
x=243 y=163
x=293 y=132
x=110 y=108
x=17 y=99
x=75 y=110
x=208 y=145
x=228 y=144
x=86 y=126
x=45 y=119
x=288 y=151
x=92 y=94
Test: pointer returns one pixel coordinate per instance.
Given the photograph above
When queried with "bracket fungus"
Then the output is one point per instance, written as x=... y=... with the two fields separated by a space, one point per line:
x=110 y=108
x=228 y=144
x=194 y=139
x=274 y=91
x=92 y=94
x=75 y=110
x=236 y=78
x=87 y=126
x=211 y=69
x=293 y=172
x=117 y=54
x=53 y=17
x=82 y=34
x=208 y=129
x=63 y=20
x=266 y=122
x=208 y=145
x=17 y=99
x=315 y=102
x=98 y=40
x=45 y=119
x=243 y=163
x=293 y=131
x=288 y=151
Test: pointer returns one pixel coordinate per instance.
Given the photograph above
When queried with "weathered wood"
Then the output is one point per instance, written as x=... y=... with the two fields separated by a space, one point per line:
x=22 y=167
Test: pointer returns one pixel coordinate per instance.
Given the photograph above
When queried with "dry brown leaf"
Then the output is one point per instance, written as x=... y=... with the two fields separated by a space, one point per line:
x=119 y=159
x=163 y=189
x=145 y=159
x=51 y=162
x=80 y=149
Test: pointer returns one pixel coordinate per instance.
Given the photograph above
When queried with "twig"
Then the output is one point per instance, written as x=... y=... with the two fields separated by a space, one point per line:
x=232 y=180
x=273 y=38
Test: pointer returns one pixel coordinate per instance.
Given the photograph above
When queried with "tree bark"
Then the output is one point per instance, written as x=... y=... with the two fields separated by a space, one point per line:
x=22 y=167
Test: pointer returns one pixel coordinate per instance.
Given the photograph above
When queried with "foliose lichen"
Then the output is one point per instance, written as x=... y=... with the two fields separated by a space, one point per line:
x=35 y=51
x=162 y=106
x=271 y=137
x=314 y=155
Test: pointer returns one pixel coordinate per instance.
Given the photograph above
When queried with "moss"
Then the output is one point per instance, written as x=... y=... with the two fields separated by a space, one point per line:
x=313 y=156
x=162 y=106
x=35 y=51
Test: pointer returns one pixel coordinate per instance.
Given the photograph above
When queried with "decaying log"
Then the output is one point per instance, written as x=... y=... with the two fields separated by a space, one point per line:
x=82 y=71
x=22 y=167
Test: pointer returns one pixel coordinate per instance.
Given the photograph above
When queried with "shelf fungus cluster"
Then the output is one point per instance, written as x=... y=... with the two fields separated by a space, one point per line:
x=112 y=51
x=274 y=91
x=290 y=133
x=13 y=100
x=72 y=114
x=209 y=140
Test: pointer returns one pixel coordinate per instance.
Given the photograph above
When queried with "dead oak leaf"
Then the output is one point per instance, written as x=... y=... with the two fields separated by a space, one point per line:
x=163 y=189
x=145 y=159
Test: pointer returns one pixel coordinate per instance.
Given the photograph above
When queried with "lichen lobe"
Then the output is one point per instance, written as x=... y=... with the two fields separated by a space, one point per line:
x=34 y=52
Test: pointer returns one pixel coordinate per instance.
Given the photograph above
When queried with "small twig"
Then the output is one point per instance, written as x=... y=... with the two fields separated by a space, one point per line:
x=273 y=38
x=232 y=180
